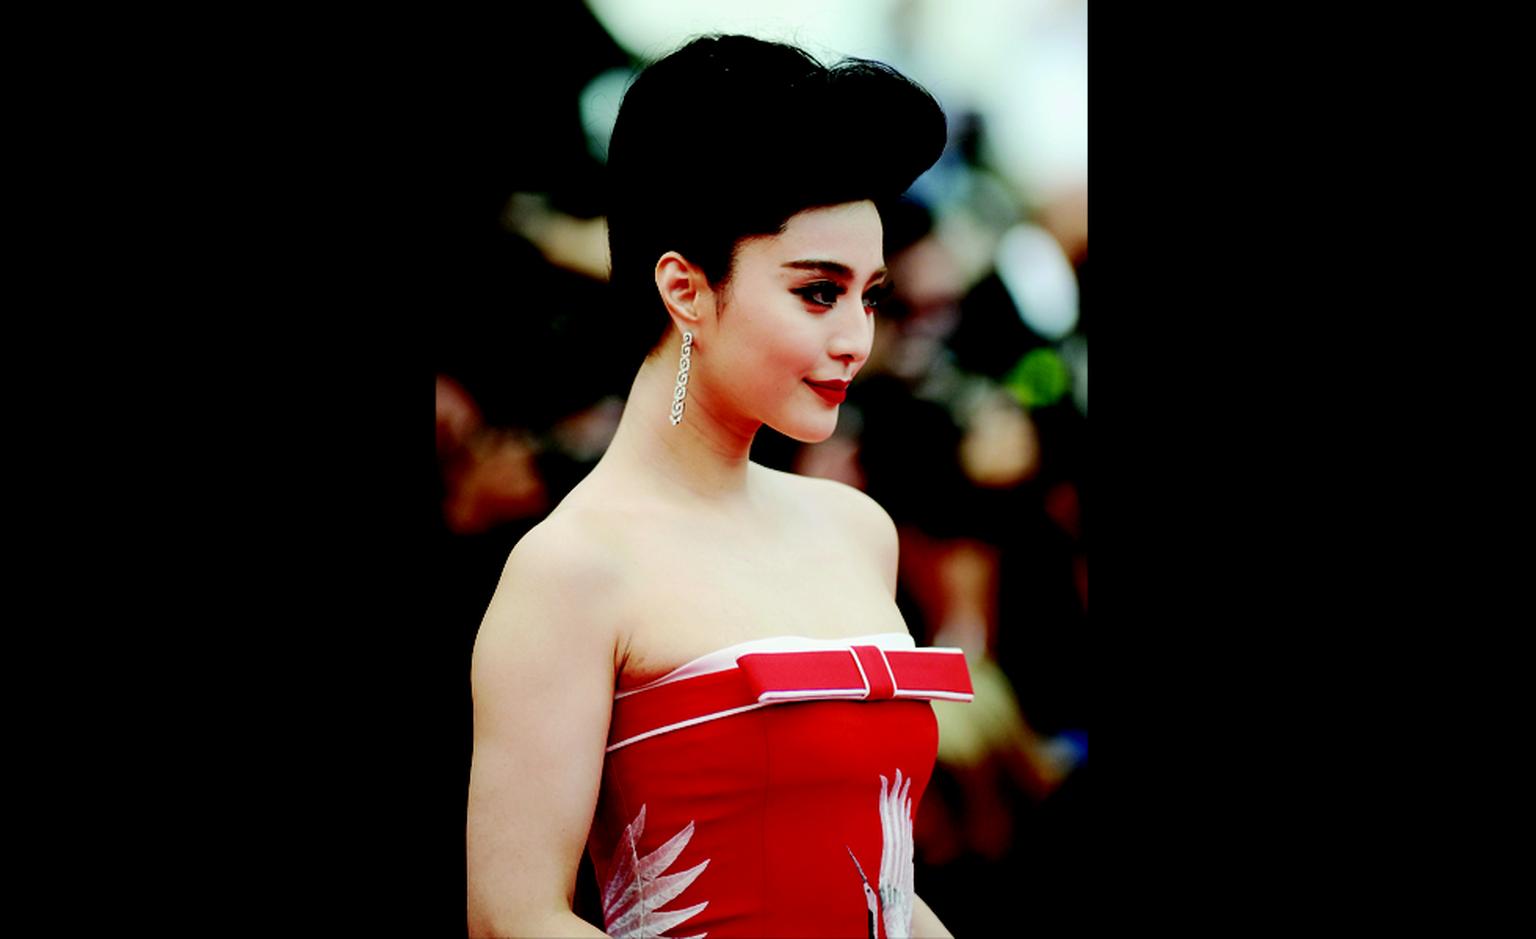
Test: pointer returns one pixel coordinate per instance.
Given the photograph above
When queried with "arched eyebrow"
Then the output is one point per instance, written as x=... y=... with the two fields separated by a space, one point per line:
x=834 y=269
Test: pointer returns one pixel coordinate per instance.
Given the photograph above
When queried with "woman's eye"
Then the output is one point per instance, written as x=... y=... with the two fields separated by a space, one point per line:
x=821 y=294
x=876 y=298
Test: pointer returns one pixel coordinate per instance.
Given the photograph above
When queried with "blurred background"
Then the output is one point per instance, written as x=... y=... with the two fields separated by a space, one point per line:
x=968 y=423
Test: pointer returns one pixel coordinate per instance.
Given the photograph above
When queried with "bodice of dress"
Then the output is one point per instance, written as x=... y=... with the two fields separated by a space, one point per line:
x=768 y=789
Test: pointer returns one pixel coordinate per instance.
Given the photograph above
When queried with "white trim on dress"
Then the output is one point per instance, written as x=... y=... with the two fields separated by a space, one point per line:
x=723 y=659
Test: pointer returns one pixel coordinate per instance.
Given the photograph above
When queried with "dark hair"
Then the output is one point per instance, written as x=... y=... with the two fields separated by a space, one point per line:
x=730 y=136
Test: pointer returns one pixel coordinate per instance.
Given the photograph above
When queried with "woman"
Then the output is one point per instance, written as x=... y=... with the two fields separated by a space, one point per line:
x=695 y=668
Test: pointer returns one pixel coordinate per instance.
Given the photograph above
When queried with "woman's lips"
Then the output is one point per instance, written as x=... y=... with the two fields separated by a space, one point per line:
x=833 y=391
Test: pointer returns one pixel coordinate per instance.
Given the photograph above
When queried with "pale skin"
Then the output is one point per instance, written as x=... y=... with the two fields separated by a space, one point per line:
x=676 y=545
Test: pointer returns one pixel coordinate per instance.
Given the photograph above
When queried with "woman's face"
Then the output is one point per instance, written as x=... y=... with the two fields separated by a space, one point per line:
x=796 y=320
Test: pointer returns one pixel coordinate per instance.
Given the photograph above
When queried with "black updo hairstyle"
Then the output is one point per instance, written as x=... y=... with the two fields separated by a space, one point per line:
x=730 y=136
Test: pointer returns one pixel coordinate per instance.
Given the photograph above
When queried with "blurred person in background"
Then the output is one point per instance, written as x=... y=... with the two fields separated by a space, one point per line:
x=695 y=669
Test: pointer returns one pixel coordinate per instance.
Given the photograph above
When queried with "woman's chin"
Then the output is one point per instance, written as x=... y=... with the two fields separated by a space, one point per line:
x=808 y=430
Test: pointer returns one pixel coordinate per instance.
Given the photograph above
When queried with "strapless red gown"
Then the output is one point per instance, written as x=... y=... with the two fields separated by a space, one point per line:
x=768 y=790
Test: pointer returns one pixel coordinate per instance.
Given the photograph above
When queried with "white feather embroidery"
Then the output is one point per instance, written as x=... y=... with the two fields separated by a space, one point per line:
x=896 y=868
x=638 y=888
x=896 y=857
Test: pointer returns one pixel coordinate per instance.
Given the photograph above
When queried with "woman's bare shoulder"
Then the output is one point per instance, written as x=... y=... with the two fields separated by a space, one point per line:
x=560 y=584
x=849 y=508
x=582 y=539
x=851 y=504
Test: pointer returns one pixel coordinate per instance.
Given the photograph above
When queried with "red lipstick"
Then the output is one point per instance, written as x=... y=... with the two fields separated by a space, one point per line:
x=833 y=391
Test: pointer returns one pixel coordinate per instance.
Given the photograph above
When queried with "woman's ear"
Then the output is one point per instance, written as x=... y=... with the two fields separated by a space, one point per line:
x=685 y=290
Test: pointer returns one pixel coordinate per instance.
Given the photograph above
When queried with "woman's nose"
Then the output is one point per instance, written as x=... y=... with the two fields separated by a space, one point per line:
x=853 y=335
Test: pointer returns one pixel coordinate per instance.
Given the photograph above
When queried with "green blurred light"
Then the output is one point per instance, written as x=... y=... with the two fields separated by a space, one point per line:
x=1040 y=379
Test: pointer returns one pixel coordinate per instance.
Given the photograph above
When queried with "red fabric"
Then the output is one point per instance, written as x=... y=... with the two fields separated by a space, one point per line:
x=882 y=683
x=681 y=700
x=784 y=676
x=919 y=672
x=802 y=671
x=778 y=795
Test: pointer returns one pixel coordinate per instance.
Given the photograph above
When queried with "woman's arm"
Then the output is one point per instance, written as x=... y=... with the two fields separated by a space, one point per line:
x=925 y=925
x=543 y=678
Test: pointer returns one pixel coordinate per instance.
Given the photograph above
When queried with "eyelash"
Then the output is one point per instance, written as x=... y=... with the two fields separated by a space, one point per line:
x=811 y=292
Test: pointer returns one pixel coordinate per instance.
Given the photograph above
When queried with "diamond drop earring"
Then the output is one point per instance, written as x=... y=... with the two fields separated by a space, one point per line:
x=681 y=391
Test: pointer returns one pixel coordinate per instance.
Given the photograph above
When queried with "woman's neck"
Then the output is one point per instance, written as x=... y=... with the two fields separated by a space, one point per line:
x=704 y=456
